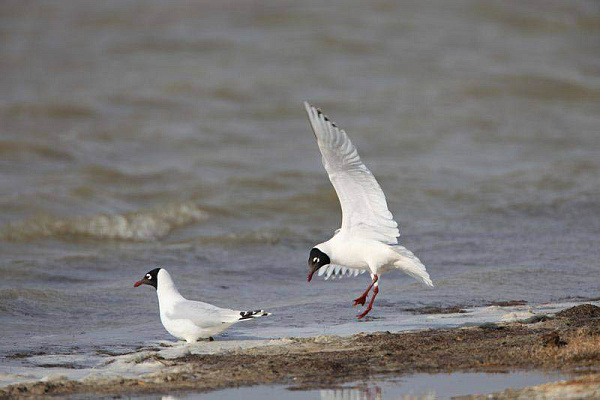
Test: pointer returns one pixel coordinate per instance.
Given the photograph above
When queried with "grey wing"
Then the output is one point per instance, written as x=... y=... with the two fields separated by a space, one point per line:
x=364 y=207
x=203 y=315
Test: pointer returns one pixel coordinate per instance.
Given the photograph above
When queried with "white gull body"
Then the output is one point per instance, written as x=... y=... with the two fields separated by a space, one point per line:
x=193 y=320
x=368 y=238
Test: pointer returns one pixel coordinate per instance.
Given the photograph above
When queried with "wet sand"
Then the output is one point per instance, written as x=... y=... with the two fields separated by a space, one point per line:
x=567 y=342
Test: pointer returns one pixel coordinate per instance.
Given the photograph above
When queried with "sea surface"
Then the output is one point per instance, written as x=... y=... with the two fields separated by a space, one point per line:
x=137 y=134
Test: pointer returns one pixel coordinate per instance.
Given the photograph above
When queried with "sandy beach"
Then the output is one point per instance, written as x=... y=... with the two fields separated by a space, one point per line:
x=568 y=342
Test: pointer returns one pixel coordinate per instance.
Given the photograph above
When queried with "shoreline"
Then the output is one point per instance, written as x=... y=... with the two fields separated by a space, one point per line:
x=567 y=342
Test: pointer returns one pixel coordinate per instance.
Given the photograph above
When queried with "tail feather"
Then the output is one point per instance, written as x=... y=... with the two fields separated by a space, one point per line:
x=244 y=315
x=411 y=265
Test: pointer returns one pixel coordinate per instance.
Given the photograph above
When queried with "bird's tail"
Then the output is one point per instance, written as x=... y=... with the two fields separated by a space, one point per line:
x=411 y=265
x=244 y=315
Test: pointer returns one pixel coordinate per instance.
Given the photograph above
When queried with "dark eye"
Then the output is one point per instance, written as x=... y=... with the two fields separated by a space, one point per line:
x=148 y=276
x=316 y=259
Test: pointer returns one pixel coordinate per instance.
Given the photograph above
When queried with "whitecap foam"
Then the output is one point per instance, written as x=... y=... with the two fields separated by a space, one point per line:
x=136 y=226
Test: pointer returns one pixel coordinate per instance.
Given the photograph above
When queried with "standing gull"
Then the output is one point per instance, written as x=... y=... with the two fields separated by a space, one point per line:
x=186 y=319
x=368 y=238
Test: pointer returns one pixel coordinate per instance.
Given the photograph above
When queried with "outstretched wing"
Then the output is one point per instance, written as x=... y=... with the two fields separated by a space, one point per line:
x=364 y=208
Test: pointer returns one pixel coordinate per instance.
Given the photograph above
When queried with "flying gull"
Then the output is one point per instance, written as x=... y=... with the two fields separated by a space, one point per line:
x=368 y=238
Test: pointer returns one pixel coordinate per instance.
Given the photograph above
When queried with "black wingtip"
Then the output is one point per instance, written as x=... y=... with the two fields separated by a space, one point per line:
x=253 y=314
x=320 y=112
x=325 y=117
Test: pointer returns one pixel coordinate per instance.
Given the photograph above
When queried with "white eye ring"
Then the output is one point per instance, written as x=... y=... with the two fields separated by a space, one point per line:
x=148 y=276
x=316 y=259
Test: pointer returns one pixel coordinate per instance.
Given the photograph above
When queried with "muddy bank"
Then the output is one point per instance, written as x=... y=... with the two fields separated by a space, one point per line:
x=462 y=309
x=569 y=341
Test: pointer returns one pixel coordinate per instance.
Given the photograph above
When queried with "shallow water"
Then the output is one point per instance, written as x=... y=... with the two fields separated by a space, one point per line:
x=135 y=134
x=411 y=387
x=93 y=357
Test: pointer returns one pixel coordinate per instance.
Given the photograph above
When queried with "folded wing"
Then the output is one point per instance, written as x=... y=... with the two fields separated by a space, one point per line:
x=203 y=315
x=364 y=208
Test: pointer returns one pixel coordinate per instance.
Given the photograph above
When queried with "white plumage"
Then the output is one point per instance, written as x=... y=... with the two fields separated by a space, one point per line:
x=368 y=237
x=364 y=208
x=191 y=320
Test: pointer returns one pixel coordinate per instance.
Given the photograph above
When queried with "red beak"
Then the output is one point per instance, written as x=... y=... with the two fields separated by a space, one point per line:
x=310 y=276
x=138 y=283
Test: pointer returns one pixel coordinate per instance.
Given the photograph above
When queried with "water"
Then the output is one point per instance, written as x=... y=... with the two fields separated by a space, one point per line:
x=412 y=387
x=141 y=134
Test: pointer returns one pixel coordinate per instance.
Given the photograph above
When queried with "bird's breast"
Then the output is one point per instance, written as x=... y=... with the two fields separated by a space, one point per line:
x=360 y=253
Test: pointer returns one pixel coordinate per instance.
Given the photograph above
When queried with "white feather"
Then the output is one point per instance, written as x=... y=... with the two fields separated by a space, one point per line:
x=369 y=234
x=364 y=207
x=411 y=265
x=191 y=320
x=329 y=272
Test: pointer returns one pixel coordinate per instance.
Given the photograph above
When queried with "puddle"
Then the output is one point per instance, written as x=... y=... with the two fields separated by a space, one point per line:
x=418 y=386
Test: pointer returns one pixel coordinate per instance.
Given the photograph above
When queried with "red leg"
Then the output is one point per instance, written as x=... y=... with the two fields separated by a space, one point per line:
x=375 y=291
x=363 y=297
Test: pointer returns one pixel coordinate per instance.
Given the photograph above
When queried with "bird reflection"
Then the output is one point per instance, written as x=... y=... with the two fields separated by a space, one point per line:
x=362 y=392
x=354 y=393
x=367 y=393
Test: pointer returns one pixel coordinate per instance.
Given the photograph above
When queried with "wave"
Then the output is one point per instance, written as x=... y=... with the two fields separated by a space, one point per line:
x=16 y=149
x=261 y=236
x=48 y=110
x=29 y=302
x=136 y=226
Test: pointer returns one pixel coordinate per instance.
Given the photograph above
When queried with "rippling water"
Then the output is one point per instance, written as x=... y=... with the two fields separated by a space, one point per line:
x=135 y=134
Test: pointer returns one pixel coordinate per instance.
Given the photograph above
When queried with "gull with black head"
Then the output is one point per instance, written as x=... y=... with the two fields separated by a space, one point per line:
x=368 y=238
x=186 y=319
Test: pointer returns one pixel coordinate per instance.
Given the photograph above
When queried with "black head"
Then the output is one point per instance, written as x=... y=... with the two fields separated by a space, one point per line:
x=151 y=278
x=316 y=260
